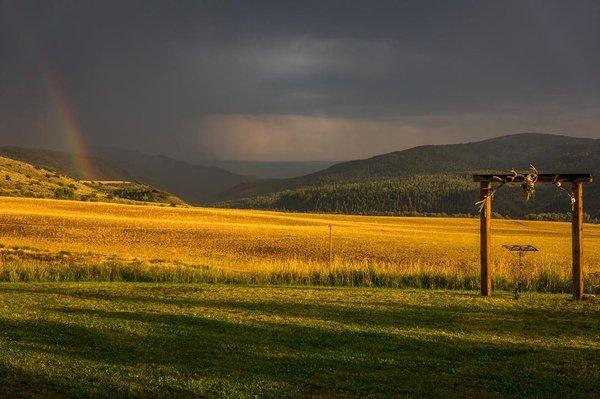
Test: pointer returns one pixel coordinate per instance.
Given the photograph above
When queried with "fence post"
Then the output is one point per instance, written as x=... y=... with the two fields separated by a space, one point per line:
x=577 y=231
x=485 y=233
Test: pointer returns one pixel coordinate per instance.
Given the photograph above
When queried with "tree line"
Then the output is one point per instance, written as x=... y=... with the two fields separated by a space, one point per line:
x=444 y=194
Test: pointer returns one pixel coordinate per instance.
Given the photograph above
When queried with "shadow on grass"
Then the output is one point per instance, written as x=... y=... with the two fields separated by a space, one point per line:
x=269 y=354
x=515 y=318
x=16 y=382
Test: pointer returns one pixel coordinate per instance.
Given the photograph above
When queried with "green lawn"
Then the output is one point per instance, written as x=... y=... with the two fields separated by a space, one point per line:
x=132 y=340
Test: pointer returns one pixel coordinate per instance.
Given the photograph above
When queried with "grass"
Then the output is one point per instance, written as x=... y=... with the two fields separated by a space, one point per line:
x=292 y=325
x=51 y=240
x=20 y=179
x=104 y=340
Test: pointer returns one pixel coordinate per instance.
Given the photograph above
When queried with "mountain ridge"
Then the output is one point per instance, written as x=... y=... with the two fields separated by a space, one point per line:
x=499 y=153
x=406 y=181
x=273 y=169
x=194 y=183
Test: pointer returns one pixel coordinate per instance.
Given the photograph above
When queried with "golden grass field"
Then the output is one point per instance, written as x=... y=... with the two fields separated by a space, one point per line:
x=69 y=240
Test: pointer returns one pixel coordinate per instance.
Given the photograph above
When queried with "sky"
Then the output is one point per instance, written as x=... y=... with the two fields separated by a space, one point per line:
x=294 y=80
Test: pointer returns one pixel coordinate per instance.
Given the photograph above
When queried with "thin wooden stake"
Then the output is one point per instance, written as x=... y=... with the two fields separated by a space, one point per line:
x=330 y=247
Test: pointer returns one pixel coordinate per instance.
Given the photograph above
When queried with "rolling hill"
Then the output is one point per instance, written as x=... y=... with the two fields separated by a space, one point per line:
x=193 y=183
x=433 y=179
x=430 y=179
x=20 y=179
x=273 y=169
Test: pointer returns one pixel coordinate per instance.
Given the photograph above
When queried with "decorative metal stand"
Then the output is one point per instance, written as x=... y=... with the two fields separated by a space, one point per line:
x=520 y=251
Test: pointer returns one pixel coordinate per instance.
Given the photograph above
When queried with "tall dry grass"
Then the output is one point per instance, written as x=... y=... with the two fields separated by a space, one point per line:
x=49 y=240
x=535 y=277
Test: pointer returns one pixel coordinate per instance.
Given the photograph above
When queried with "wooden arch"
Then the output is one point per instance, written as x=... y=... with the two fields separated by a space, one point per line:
x=576 y=180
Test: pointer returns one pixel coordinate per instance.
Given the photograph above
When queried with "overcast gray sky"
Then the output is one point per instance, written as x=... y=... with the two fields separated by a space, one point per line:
x=294 y=80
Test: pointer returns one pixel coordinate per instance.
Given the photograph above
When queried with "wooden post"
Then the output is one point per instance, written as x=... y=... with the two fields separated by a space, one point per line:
x=485 y=233
x=330 y=247
x=577 y=231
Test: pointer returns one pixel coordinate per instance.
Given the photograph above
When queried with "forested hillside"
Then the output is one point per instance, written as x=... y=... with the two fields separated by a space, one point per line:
x=432 y=179
x=420 y=195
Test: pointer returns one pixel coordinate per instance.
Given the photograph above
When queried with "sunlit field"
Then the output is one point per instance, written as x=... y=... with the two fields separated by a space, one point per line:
x=52 y=240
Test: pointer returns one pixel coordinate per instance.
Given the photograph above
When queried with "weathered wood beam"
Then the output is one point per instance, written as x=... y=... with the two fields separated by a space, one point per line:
x=545 y=178
x=484 y=236
x=577 y=236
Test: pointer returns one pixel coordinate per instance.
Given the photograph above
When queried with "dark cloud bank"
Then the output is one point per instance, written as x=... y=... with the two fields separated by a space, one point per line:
x=296 y=80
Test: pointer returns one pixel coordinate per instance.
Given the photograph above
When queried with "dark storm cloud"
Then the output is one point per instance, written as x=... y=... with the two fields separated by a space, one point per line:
x=298 y=79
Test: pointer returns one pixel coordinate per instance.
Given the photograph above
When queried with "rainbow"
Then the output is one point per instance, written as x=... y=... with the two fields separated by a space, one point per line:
x=68 y=124
x=73 y=139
